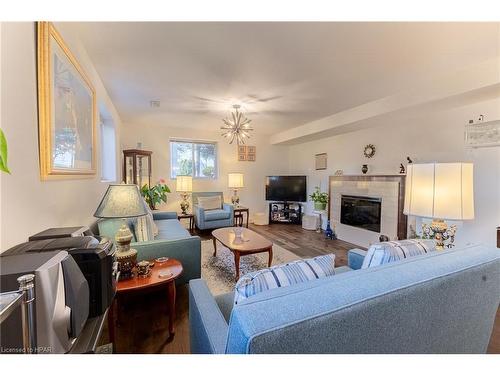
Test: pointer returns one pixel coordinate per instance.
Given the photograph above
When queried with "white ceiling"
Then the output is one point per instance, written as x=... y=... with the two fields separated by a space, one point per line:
x=284 y=74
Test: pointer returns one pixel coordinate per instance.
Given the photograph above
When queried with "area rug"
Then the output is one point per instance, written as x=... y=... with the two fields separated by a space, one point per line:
x=219 y=271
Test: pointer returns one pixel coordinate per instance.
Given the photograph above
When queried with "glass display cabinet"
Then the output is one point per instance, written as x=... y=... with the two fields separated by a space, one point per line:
x=137 y=167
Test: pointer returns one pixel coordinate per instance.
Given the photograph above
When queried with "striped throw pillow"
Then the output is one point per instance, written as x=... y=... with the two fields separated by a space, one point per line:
x=144 y=229
x=283 y=275
x=390 y=251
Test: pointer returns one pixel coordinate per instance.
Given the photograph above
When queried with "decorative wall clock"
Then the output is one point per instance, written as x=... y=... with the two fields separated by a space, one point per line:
x=369 y=151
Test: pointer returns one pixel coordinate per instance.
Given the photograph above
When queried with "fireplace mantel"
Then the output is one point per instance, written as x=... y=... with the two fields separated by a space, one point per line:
x=398 y=179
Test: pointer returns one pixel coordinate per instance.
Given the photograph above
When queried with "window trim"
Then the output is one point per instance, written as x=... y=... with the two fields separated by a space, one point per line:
x=193 y=142
x=107 y=124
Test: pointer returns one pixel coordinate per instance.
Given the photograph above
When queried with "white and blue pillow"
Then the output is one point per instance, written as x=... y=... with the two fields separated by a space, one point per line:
x=283 y=275
x=390 y=251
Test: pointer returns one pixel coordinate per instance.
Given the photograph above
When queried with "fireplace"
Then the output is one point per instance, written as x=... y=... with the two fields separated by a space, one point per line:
x=361 y=212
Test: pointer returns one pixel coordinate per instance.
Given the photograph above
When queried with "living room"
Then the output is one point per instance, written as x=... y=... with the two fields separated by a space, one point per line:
x=224 y=172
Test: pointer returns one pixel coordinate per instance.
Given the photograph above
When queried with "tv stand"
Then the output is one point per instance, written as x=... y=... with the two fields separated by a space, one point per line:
x=285 y=213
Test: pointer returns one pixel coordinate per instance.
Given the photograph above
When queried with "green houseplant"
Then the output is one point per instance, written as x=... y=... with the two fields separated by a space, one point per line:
x=3 y=153
x=320 y=199
x=155 y=194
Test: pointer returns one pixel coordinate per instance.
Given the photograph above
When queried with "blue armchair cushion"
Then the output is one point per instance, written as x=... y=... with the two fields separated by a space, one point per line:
x=170 y=229
x=390 y=251
x=216 y=215
x=283 y=275
x=210 y=203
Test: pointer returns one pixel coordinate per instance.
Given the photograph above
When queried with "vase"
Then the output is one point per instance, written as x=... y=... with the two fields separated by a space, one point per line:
x=328 y=231
x=365 y=168
x=319 y=206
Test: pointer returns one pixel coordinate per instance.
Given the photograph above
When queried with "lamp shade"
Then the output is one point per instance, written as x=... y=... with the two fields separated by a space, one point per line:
x=235 y=180
x=440 y=191
x=184 y=184
x=120 y=201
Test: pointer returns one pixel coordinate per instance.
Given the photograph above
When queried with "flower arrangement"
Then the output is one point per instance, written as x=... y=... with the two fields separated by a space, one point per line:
x=320 y=199
x=155 y=194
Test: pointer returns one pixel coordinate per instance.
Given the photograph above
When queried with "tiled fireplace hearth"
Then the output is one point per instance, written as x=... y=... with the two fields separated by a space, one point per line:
x=386 y=192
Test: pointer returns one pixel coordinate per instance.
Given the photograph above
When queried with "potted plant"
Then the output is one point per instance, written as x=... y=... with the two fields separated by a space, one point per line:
x=155 y=194
x=320 y=199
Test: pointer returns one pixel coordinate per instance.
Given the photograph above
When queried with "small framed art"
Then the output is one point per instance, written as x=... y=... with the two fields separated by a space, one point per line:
x=321 y=161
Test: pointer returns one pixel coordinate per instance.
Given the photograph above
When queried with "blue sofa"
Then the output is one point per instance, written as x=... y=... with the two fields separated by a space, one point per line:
x=173 y=241
x=212 y=219
x=440 y=302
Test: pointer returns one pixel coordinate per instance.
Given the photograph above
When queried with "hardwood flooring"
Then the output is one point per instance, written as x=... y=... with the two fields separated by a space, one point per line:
x=143 y=325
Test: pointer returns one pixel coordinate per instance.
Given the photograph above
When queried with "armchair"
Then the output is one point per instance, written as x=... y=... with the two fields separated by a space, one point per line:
x=211 y=219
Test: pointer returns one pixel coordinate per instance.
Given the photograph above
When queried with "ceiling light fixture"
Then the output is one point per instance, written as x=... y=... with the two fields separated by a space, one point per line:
x=237 y=127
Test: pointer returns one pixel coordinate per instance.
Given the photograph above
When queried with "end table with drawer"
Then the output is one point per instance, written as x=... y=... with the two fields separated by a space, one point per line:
x=162 y=275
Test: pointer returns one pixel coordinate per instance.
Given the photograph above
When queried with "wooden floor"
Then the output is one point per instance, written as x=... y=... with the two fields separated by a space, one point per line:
x=143 y=325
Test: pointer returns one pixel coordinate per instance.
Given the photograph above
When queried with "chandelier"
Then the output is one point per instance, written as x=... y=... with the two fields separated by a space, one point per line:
x=237 y=127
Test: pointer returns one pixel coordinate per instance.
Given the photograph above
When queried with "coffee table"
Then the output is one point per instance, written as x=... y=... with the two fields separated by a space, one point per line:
x=144 y=284
x=251 y=243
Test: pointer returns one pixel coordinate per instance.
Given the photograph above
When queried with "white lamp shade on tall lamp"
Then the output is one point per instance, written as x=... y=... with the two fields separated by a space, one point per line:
x=440 y=190
x=184 y=184
x=235 y=180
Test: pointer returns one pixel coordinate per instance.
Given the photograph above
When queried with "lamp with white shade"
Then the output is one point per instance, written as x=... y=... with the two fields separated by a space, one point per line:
x=235 y=182
x=122 y=201
x=184 y=186
x=441 y=191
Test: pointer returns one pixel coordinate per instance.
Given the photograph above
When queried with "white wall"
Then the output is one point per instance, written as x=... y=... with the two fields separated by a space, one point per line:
x=27 y=204
x=270 y=160
x=429 y=137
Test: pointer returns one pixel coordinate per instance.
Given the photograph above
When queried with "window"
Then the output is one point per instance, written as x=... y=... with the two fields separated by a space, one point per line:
x=108 y=151
x=193 y=158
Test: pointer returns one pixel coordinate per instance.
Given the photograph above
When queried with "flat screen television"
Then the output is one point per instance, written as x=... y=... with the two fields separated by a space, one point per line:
x=286 y=188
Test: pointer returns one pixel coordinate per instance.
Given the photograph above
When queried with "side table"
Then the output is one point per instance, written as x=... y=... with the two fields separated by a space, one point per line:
x=163 y=274
x=187 y=216
x=238 y=215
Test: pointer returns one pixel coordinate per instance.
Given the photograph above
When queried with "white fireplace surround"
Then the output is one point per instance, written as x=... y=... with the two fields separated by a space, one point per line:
x=388 y=191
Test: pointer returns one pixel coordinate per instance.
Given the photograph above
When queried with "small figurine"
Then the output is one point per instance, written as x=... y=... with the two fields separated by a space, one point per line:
x=402 y=168
x=409 y=160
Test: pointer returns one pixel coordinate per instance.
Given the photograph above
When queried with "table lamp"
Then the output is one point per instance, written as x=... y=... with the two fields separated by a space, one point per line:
x=235 y=182
x=441 y=191
x=121 y=202
x=184 y=186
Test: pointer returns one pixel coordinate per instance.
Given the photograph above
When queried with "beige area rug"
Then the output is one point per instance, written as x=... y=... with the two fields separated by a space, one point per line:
x=219 y=271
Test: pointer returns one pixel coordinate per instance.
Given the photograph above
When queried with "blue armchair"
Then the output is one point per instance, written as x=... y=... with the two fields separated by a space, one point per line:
x=211 y=219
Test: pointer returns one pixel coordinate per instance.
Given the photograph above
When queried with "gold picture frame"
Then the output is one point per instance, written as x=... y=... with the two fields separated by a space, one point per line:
x=66 y=110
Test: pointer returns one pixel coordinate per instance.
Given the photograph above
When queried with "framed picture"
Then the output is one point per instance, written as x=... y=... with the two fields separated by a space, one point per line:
x=67 y=110
x=242 y=153
x=482 y=134
x=247 y=153
x=321 y=160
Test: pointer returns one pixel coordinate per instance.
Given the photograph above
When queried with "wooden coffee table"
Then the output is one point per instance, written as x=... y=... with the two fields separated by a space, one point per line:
x=144 y=284
x=251 y=243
